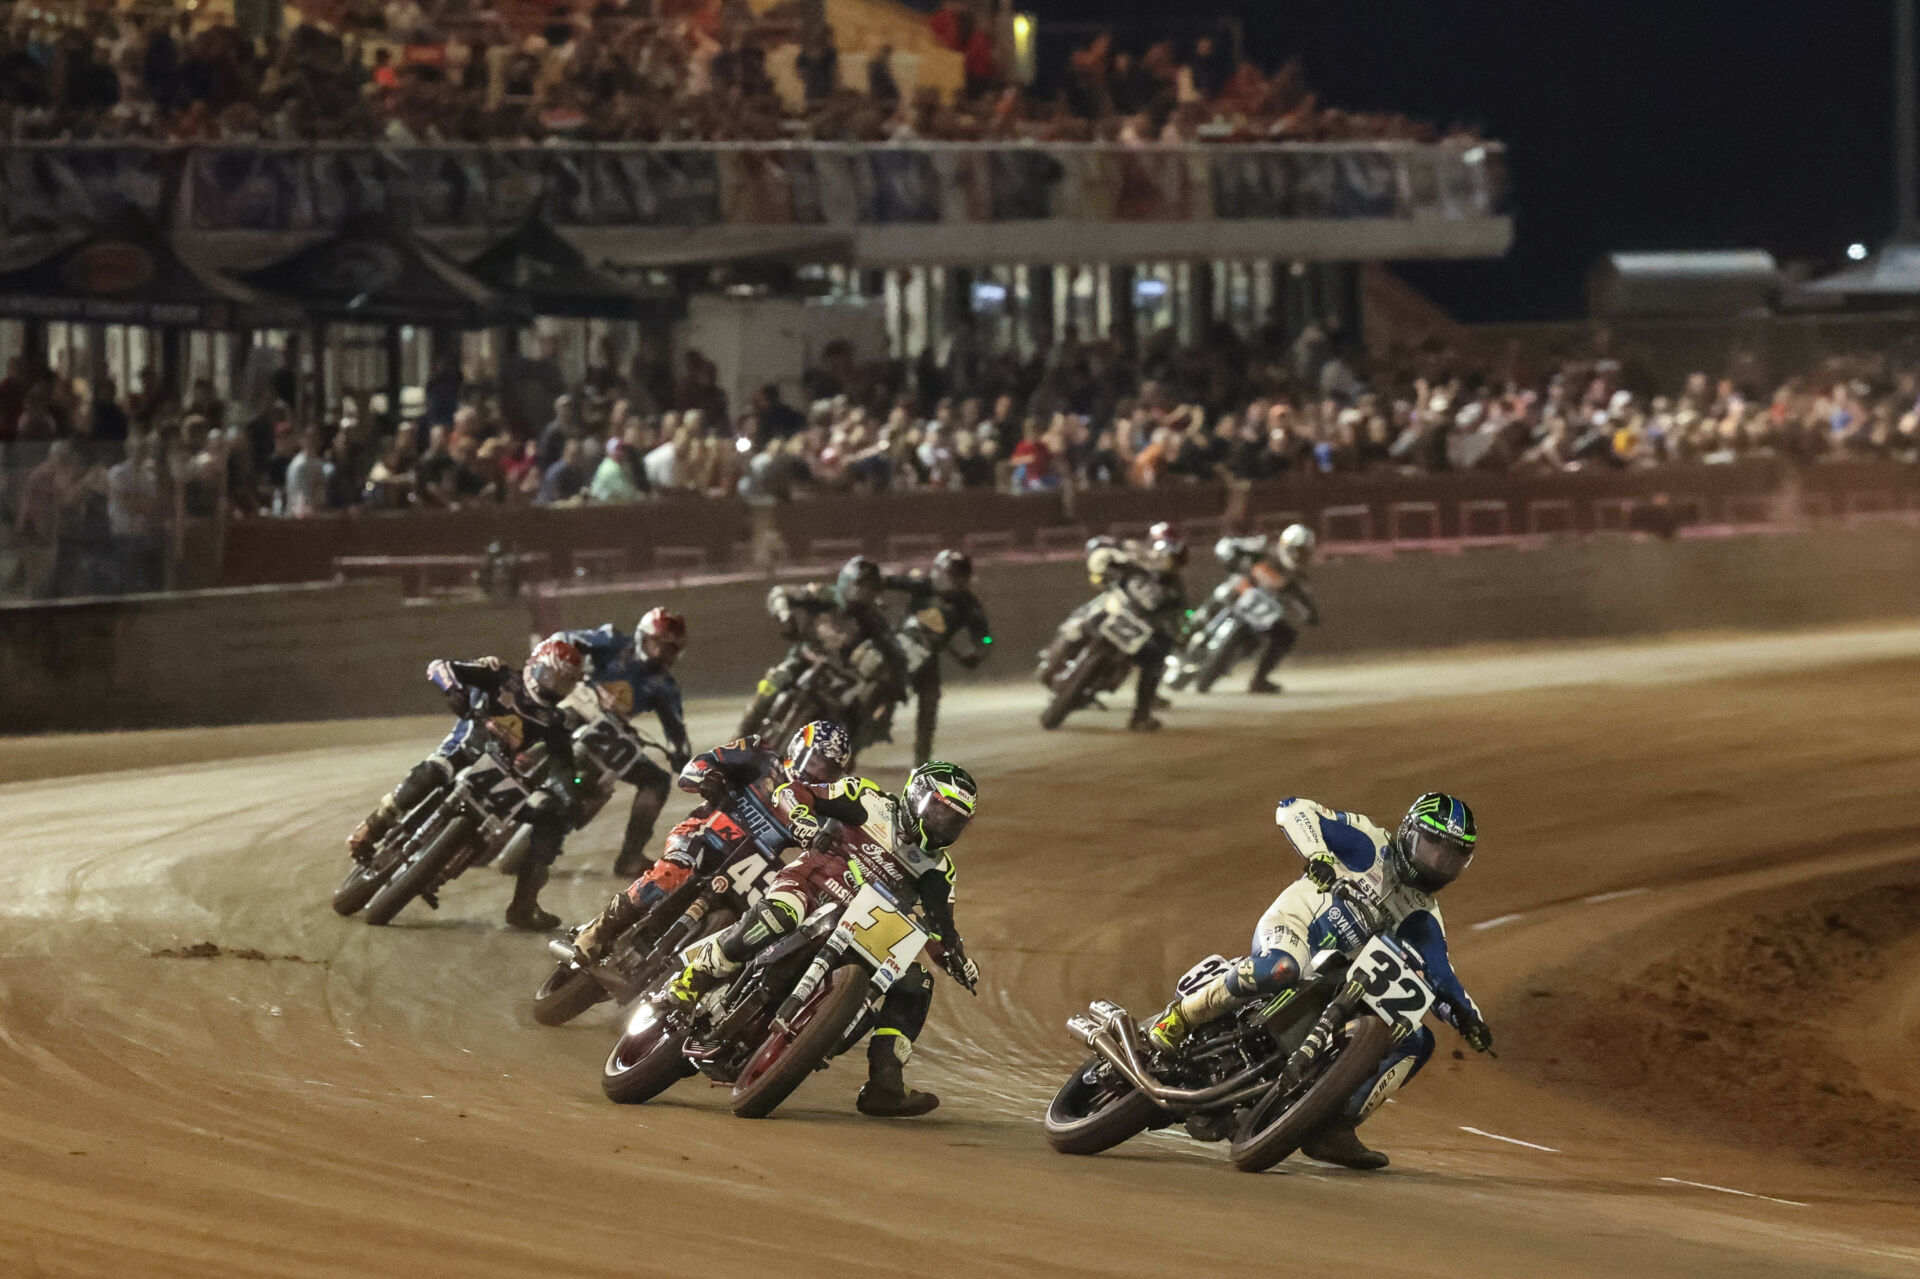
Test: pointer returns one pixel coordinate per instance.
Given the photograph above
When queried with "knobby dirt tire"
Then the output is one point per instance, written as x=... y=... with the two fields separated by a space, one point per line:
x=1073 y=692
x=832 y=1014
x=1368 y=1041
x=412 y=880
x=1073 y=1131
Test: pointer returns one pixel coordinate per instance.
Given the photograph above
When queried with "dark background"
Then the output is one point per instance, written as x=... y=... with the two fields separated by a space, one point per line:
x=1631 y=124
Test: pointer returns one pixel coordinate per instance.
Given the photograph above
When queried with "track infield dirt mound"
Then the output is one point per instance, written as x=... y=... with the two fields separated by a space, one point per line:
x=1740 y=1031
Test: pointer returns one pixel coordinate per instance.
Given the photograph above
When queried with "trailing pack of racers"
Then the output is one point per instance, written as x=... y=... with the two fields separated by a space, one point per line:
x=1152 y=572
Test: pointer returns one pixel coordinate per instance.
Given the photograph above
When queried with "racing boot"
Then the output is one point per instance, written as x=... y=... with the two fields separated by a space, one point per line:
x=621 y=914
x=1189 y=1012
x=1270 y=656
x=1337 y=1143
x=367 y=833
x=524 y=910
x=1143 y=722
x=885 y=1095
x=707 y=969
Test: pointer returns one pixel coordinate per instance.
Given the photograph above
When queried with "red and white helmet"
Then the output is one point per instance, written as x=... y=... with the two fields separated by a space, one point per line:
x=661 y=635
x=553 y=669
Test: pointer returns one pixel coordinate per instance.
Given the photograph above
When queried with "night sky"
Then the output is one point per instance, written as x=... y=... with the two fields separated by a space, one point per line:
x=1675 y=124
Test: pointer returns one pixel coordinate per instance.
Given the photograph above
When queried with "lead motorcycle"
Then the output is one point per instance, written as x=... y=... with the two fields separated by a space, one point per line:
x=738 y=851
x=1121 y=625
x=790 y=1010
x=1267 y=1077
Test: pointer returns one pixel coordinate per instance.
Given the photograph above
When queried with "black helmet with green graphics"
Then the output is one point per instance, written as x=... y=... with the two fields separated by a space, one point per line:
x=940 y=799
x=1434 y=843
x=858 y=583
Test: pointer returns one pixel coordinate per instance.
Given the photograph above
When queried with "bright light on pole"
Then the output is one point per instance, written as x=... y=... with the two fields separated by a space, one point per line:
x=1856 y=253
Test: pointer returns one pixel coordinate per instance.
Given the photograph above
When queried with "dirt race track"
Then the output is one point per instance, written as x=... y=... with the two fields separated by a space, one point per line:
x=361 y=1101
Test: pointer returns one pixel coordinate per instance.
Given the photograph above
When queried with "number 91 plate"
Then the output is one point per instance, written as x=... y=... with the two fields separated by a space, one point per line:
x=1389 y=985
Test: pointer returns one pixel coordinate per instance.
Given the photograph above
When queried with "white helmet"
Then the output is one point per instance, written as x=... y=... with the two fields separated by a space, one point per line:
x=1297 y=544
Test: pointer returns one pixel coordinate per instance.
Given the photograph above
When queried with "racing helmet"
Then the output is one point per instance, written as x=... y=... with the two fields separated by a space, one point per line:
x=660 y=635
x=819 y=753
x=952 y=571
x=940 y=799
x=1434 y=842
x=1297 y=544
x=1166 y=548
x=553 y=669
x=859 y=582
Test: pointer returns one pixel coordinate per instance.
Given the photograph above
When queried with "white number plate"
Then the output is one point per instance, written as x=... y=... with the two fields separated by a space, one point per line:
x=1390 y=987
x=877 y=929
x=1259 y=608
x=1125 y=632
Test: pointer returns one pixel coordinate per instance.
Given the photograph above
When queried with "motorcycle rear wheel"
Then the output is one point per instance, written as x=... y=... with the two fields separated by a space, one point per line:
x=410 y=881
x=1074 y=1129
x=783 y=1060
x=643 y=1066
x=565 y=994
x=1367 y=1041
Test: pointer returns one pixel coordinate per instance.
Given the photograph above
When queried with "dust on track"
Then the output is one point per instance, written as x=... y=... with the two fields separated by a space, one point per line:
x=388 y=1108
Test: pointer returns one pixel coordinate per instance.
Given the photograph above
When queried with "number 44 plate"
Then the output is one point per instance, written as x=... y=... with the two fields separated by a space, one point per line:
x=1389 y=985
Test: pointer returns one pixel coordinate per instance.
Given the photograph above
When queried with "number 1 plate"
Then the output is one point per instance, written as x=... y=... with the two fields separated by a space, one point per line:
x=878 y=930
x=1390 y=987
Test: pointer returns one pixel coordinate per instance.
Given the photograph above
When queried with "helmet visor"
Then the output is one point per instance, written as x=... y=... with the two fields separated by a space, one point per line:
x=941 y=820
x=550 y=680
x=859 y=591
x=661 y=648
x=1436 y=861
x=816 y=767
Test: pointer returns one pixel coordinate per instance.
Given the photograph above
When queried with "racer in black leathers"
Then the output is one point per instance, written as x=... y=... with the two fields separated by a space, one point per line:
x=519 y=708
x=1160 y=558
x=1281 y=568
x=817 y=756
x=916 y=828
x=943 y=602
x=855 y=597
x=635 y=671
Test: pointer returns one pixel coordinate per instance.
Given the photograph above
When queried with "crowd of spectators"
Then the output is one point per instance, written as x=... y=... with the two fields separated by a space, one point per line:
x=701 y=70
x=112 y=473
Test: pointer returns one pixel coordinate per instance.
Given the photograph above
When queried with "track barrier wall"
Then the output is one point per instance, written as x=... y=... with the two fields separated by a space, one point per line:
x=351 y=649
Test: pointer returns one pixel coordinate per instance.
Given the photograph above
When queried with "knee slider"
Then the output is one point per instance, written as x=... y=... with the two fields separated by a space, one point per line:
x=1266 y=973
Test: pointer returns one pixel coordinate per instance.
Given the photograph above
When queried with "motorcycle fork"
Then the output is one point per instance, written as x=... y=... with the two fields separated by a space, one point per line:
x=823 y=964
x=1320 y=1038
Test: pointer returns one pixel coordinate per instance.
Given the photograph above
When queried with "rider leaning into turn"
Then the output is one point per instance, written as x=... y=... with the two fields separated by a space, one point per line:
x=1402 y=872
x=855 y=597
x=815 y=758
x=1282 y=568
x=1160 y=560
x=635 y=673
x=942 y=602
x=523 y=707
x=917 y=828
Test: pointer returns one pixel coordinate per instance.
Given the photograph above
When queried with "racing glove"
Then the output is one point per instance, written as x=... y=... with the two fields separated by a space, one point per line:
x=1473 y=1028
x=962 y=969
x=715 y=788
x=1322 y=872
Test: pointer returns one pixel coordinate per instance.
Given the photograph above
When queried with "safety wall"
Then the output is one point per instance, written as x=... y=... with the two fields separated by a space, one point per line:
x=328 y=651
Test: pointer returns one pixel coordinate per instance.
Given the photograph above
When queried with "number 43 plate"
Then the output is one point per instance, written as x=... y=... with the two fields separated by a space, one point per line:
x=1390 y=986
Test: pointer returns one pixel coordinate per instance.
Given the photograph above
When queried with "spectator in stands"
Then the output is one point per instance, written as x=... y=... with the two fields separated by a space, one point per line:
x=773 y=419
x=613 y=480
x=133 y=515
x=565 y=479
x=305 y=485
x=881 y=86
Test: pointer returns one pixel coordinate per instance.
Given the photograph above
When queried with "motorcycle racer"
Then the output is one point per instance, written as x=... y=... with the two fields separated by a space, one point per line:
x=1160 y=559
x=915 y=831
x=854 y=596
x=519 y=707
x=635 y=672
x=1281 y=567
x=940 y=605
x=1403 y=872
x=816 y=757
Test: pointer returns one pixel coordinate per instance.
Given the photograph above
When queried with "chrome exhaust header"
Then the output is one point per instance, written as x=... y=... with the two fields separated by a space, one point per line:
x=1109 y=1031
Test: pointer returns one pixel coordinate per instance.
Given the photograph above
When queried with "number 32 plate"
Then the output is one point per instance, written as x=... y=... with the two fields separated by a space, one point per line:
x=1389 y=986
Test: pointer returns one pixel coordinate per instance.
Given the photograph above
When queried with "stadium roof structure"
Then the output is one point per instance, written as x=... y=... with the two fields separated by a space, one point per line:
x=376 y=273
x=1891 y=274
x=125 y=271
x=539 y=266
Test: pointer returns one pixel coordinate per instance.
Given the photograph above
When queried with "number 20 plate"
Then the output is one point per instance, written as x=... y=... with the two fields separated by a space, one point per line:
x=1390 y=987
x=876 y=928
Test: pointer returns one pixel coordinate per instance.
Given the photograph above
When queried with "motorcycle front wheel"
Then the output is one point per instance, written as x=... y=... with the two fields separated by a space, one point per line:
x=1075 y=689
x=358 y=888
x=786 y=1057
x=1086 y=1117
x=565 y=994
x=410 y=880
x=1267 y=1138
x=645 y=1064
x=1218 y=661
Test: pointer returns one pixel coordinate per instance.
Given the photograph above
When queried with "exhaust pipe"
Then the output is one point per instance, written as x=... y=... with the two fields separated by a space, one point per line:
x=562 y=950
x=1115 y=1038
x=1083 y=1029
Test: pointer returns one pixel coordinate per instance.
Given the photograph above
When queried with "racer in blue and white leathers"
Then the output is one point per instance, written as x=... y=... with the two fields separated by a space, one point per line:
x=1401 y=872
x=634 y=673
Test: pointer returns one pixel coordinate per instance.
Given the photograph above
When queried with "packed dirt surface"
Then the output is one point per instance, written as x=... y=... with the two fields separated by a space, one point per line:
x=204 y=1071
x=1754 y=1030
